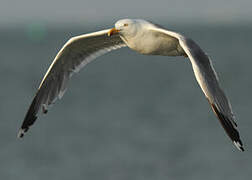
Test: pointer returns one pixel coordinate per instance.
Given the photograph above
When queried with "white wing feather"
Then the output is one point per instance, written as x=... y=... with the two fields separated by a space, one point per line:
x=74 y=55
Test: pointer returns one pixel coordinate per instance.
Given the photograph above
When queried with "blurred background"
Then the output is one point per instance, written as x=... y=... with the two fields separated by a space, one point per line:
x=124 y=116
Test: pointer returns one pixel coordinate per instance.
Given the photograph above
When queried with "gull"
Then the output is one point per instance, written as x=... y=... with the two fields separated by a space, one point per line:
x=143 y=37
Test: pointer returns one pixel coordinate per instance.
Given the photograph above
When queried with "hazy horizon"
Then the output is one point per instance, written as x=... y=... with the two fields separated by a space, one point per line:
x=78 y=12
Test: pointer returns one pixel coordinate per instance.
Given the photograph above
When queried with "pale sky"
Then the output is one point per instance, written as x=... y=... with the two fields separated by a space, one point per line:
x=81 y=11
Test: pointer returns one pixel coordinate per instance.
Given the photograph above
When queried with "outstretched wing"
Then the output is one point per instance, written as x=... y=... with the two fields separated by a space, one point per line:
x=74 y=55
x=208 y=81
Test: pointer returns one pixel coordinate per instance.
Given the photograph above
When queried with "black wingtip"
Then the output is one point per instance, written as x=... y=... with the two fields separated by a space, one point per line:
x=31 y=115
x=29 y=120
x=21 y=133
x=239 y=145
x=229 y=127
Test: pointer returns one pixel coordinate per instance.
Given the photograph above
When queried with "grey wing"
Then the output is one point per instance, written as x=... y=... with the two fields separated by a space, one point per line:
x=208 y=81
x=74 y=55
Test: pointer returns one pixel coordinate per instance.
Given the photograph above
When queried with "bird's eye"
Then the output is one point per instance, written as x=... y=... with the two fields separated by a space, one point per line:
x=125 y=24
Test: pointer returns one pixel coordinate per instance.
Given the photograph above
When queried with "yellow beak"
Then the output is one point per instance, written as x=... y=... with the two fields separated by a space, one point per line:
x=113 y=31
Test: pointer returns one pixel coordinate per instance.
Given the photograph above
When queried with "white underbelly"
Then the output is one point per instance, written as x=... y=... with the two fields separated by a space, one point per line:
x=155 y=46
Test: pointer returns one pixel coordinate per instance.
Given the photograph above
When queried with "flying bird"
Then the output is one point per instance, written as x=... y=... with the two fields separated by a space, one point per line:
x=143 y=37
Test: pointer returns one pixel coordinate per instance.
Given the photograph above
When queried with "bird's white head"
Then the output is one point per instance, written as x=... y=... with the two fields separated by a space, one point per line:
x=126 y=27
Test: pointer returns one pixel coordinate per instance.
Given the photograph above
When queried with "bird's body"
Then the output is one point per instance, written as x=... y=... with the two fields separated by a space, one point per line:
x=153 y=42
x=141 y=36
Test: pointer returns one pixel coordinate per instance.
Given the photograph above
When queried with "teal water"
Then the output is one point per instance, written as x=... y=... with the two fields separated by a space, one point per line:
x=125 y=116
